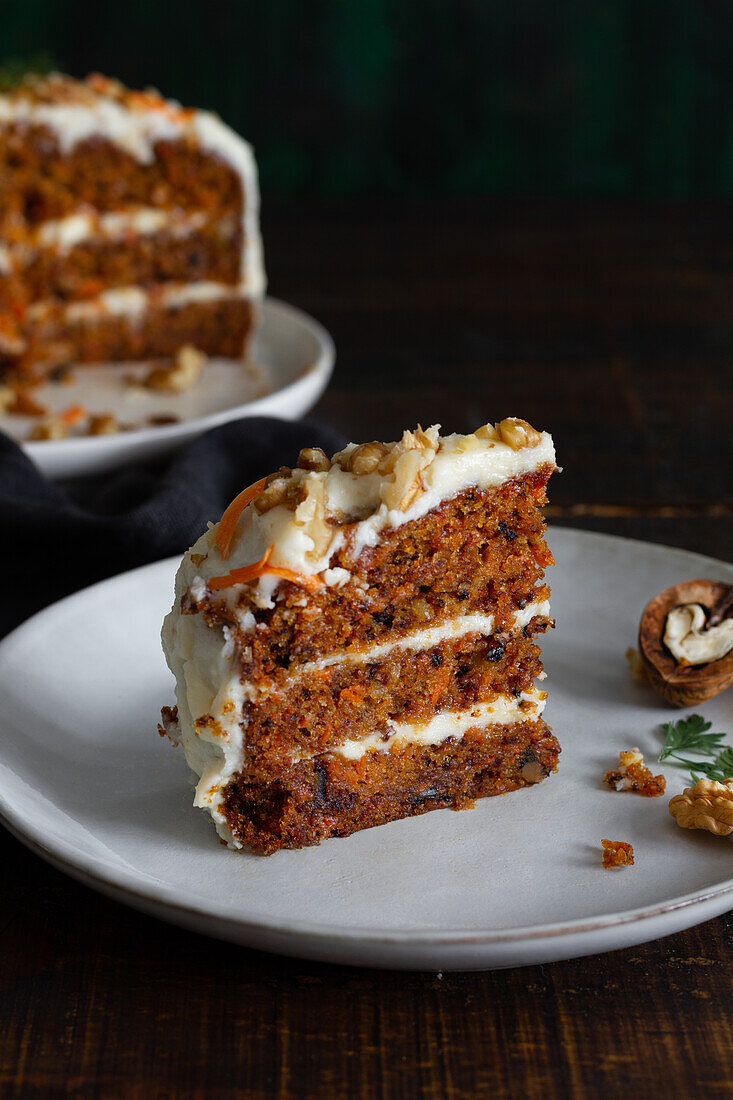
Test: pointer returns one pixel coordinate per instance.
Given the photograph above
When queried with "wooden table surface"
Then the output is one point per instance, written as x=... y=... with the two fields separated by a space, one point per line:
x=612 y=326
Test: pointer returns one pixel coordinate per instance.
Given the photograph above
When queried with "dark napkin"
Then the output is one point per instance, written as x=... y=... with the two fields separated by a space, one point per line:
x=62 y=537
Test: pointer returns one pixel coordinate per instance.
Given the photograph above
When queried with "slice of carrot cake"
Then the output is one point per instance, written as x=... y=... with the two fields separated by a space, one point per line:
x=355 y=640
x=129 y=227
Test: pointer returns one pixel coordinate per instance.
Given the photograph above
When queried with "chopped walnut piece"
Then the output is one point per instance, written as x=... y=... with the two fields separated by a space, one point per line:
x=313 y=458
x=488 y=432
x=518 y=433
x=636 y=665
x=272 y=495
x=408 y=480
x=59 y=425
x=633 y=775
x=617 y=853
x=169 y=726
x=366 y=458
x=103 y=424
x=7 y=399
x=25 y=405
x=187 y=365
x=53 y=427
x=707 y=805
x=285 y=487
x=532 y=770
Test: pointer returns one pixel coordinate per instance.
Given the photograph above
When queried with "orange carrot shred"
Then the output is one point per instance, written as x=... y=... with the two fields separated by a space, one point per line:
x=73 y=414
x=246 y=573
x=228 y=521
x=311 y=583
x=258 y=569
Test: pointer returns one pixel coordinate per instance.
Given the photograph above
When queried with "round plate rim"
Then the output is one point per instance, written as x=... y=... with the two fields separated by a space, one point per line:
x=126 y=885
x=317 y=373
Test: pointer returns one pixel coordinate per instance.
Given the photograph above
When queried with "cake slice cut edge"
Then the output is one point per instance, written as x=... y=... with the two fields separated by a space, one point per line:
x=355 y=641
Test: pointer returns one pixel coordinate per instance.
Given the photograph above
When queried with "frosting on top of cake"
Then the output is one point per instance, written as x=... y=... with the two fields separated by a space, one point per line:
x=304 y=514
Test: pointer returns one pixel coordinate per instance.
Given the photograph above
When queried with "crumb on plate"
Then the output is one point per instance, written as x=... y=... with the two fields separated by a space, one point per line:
x=636 y=666
x=184 y=372
x=633 y=775
x=617 y=853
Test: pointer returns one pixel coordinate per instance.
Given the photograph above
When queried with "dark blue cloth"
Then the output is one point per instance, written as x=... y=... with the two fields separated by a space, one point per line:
x=59 y=537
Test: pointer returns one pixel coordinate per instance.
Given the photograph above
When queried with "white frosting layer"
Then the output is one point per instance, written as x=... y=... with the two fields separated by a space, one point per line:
x=501 y=711
x=65 y=233
x=136 y=130
x=133 y=301
x=430 y=637
x=208 y=686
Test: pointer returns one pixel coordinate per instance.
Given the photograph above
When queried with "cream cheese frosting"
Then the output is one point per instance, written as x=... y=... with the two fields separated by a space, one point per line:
x=502 y=710
x=134 y=301
x=74 y=229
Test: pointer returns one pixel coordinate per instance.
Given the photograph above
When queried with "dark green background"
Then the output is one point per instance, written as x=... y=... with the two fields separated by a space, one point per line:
x=588 y=97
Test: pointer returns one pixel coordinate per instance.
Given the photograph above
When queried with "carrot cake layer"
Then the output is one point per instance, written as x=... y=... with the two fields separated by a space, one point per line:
x=359 y=699
x=332 y=796
x=104 y=188
x=360 y=607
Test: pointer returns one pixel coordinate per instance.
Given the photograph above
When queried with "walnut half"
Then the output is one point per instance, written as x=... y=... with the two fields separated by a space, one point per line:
x=707 y=805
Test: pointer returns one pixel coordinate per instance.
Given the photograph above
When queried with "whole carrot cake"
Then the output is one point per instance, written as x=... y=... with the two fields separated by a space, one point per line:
x=355 y=640
x=129 y=227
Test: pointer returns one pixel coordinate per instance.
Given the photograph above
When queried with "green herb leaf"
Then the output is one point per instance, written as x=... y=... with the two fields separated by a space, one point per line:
x=724 y=761
x=689 y=735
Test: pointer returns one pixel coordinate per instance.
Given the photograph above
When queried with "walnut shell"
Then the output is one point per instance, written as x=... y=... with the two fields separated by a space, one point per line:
x=682 y=685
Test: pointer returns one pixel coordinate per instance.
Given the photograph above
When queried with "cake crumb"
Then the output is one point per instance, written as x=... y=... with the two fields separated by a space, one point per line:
x=103 y=424
x=7 y=399
x=188 y=363
x=617 y=853
x=23 y=404
x=59 y=425
x=633 y=775
x=636 y=666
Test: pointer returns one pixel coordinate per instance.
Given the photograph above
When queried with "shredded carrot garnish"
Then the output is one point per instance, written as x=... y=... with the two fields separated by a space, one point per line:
x=228 y=521
x=246 y=573
x=311 y=583
x=258 y=569
x=73 y=414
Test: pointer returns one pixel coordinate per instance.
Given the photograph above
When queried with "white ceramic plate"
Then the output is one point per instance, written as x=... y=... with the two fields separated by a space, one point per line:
x=289 y=365
x=86 y=782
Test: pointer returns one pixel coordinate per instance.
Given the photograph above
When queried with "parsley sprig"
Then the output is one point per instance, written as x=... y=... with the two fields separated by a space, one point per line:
x=690 y=735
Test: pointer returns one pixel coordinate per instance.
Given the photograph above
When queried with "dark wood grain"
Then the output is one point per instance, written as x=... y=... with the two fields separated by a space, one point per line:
x=611 y=325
